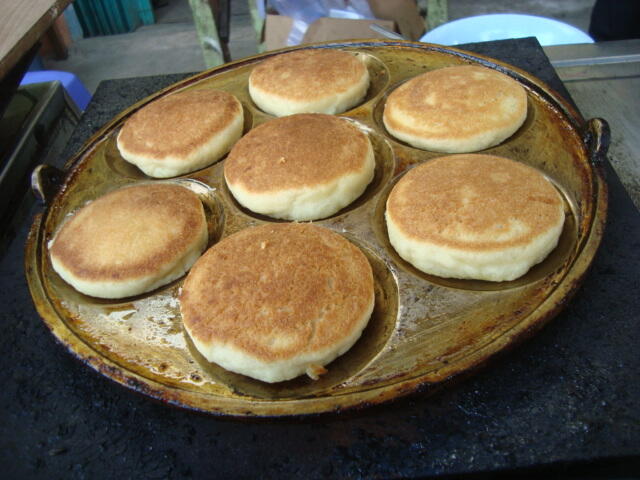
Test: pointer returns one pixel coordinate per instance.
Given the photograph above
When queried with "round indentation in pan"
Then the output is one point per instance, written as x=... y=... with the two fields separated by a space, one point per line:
x=118 y=164
x=378 y=81
x=554 y=262
x=214 y=215
x=378 y=77
x=372 y=341
x=213 y=209
x=384 y=168
x=115 y=162
x=378 y=111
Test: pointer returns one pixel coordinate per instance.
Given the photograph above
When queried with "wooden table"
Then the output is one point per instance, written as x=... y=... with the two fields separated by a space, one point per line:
x=24 y=22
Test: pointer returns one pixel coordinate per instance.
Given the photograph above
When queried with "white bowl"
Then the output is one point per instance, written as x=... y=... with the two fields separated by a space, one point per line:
x=483 y=28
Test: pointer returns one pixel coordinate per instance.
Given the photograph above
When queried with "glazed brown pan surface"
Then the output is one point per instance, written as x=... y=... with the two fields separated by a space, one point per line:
x=424 y=330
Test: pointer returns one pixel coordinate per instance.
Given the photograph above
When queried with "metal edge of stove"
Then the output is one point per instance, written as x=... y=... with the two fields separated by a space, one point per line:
x=604 y=79
x=42 y=138
x=616 y=59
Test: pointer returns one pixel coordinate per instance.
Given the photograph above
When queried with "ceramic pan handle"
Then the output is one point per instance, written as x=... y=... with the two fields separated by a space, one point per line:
x=45 y=182
x=597 y=136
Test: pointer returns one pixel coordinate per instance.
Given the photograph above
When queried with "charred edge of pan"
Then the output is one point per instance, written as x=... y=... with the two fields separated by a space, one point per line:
x=517 y=339
x=395 y=394
x=413 y=389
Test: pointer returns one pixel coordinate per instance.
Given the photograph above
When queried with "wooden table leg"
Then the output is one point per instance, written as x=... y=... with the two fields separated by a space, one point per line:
x=204 y=16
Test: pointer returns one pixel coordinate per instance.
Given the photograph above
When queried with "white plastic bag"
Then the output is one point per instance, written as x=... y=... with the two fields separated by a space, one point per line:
x=305 y=12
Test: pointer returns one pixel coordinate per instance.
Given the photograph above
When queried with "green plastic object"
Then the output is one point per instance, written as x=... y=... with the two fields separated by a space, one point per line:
x=145 y=12
x=109 y=17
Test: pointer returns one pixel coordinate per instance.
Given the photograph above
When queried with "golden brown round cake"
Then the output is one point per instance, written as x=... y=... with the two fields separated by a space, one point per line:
x=309 y=81
x=181 y=132
x=275 y=301
x=474 y=216
x=456 y=109
x=131 y=240
x=300 y=167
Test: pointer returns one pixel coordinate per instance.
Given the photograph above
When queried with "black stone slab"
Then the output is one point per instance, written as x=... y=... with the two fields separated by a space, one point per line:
x=566 y=402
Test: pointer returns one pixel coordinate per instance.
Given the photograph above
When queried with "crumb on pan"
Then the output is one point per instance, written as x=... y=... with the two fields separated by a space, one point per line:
x=314 y=371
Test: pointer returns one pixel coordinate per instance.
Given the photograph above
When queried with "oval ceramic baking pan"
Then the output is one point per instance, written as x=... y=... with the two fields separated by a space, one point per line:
x=424 y=330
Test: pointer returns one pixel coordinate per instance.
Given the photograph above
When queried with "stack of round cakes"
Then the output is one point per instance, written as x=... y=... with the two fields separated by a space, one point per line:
x=282 y=299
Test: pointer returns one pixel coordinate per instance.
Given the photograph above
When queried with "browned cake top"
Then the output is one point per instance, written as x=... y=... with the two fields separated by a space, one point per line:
x=130 y=233
x=296 y=151
x=474 y=202
x=277 y=291
x=178 y=124
x=308 y=74
x=455 y=102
